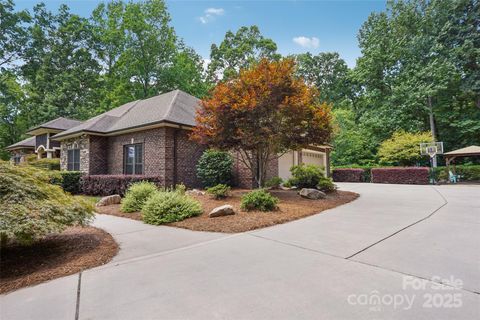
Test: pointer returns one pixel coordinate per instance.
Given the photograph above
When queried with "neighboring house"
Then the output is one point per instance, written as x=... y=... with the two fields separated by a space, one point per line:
x=151 y=137
x=41 y=142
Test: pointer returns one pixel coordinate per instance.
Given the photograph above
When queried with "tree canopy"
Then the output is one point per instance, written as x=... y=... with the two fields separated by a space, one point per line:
x=419 y=69
x=262 y=113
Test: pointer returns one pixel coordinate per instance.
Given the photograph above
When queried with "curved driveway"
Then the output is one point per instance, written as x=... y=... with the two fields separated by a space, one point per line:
x=383 y=256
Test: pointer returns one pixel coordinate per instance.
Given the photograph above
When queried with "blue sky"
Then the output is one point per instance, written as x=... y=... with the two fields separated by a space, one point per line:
x=296 y=26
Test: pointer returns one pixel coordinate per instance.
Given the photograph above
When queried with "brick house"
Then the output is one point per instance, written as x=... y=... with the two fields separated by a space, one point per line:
x=151 y=137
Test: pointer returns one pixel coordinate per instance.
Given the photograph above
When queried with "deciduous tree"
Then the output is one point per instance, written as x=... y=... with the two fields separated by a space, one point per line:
x=262 y=113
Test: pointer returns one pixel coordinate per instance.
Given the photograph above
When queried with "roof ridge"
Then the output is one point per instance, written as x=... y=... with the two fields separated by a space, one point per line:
x=170 y=107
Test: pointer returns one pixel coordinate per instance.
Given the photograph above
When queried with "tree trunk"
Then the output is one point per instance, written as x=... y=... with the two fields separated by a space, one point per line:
x=432 y=118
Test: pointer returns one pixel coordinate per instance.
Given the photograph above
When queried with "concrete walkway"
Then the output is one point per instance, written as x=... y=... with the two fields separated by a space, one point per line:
x=395 y=243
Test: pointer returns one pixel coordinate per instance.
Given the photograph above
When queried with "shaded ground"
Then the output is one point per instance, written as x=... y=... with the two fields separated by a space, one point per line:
x=55 y=256
x=291 y=207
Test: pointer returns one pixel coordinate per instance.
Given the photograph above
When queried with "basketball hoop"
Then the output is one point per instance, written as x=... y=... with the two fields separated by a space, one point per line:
x=431 y=148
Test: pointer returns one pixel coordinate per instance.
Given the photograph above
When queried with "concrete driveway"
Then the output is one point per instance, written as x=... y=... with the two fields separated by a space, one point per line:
x=398 y=252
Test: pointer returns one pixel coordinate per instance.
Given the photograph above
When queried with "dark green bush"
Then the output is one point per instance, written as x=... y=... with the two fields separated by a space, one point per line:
x=326 y=185
x=306 y=176
x=136 y=196
x=71 y=181
x=215 y=167
x=466 y=172
x=31 y=207
x=169 y=206
x=220 y=191
x=274 y=183
x=259 y=199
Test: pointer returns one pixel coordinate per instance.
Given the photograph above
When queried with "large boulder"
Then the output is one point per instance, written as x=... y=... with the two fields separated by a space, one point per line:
x=109 y=200
x=313 y=194
x=225 y=210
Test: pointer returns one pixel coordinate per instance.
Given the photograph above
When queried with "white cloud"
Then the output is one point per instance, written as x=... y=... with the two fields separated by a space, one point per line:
x=210 y=14
x=307 y=42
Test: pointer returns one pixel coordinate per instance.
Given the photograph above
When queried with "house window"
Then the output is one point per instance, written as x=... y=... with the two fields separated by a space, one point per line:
x=73 y=160
x=133 y=159
x=16 y=159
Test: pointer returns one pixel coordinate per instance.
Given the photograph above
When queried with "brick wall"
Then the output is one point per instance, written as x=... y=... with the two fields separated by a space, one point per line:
x=243 y=177
x=188 y=153
x=159 y=154
x=98 y=155
x=153 y=148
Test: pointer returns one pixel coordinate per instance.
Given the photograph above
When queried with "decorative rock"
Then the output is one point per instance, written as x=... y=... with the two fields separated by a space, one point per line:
x=225 y=210
x=195 y=192
x=106 y=201
x=313 y=194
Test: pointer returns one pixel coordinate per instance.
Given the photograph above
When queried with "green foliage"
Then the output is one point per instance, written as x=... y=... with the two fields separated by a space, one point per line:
x=136 y=196
x=326 y=185
x=71 y=181
x=403 y=148
x=220 y=191
x=274 y=182
x=238 y=51
x=46 y=164
x=168 y=206
x=32 y=207
x=306 y=175
x=466 y=173
x=259 y=199
x=180 y=188
x=215 y=167
x=353 y=144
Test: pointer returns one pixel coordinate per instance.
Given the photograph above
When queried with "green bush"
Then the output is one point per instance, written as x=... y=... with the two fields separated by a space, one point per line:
x=45 y=163
x=215 y=167
x=31 y=207
x=274 y=183
x=136 y=196
x=466 y=172
x=326 y=185
x=71 y=181
x=220 y=191
x=259 y=199
x=168 y=206
x=180 y=188
x=306 y=176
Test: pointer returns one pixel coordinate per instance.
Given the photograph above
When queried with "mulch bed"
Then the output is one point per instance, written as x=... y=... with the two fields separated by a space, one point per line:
x=55 y=256
x=291 y=207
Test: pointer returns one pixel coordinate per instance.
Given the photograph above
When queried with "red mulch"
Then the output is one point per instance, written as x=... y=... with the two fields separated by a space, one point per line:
x=291 y=207
x=55 y=256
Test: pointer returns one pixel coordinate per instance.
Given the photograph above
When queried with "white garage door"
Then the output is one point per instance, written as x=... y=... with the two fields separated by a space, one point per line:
x=313 y=157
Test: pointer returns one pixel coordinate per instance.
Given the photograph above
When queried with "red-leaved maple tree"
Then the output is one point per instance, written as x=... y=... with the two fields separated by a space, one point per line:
x=263 y=113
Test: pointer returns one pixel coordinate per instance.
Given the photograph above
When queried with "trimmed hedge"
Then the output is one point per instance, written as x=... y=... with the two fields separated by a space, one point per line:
x=404 y=175
x=348 y=175
x=105 y=185
x=466 y=172
x=71 y=181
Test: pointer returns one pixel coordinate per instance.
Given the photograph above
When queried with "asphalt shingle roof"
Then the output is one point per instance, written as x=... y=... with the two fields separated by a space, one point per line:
x=29 y=142
x=176 y=107
x=58 y=124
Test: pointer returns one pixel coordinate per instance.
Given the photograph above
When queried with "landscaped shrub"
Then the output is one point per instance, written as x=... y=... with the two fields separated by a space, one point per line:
x=31 y=207
x=105 y=185
x=326 y=185
x=45 y=163
x=348 y=175
x=215 y=167
x=306 y=176
x=466 y=173
x=274 y=183
x=71 y=181
x=169 y=206
x=220 y=191
x=136 y=196
x=401 y=175
x=259 y=199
